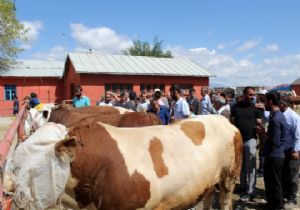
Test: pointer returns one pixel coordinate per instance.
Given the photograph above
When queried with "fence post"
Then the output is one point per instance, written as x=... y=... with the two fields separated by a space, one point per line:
x=5 y=146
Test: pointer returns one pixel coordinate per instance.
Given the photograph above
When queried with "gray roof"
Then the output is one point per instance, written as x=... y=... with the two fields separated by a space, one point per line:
x=296 y=82
x=35 y=68
x=135 y=65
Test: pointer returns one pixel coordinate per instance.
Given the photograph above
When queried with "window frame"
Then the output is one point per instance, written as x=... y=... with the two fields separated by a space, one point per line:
x=9 y=91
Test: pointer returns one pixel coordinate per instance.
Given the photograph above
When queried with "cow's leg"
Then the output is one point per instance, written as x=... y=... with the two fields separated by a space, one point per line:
x=207 y=200
x=226 y=190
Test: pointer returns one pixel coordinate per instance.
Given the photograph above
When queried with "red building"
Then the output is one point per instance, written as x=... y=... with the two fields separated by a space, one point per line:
x=43 y=78
x=97 y=73
x=296 y=86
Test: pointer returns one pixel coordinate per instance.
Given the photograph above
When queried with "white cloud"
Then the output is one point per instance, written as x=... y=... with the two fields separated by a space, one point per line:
x=203 y=50
x=100 y=39
x=33 y=32
x=221 y=46
x=249 y=44
x=233 y=72
x=55 y=53
x=271 y=48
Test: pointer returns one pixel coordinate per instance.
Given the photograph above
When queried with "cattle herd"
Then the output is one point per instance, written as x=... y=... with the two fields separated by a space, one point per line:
x=101 y=157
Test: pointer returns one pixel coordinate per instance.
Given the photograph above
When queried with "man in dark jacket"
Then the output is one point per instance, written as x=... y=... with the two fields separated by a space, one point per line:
x=193 y=102
x=274 y=151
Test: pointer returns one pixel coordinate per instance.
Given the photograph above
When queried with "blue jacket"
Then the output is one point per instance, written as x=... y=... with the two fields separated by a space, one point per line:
x=163 y=114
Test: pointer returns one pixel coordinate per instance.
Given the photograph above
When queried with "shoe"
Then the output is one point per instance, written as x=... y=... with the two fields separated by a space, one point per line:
x=290 y=205
x=252 y=197
x=245 y=198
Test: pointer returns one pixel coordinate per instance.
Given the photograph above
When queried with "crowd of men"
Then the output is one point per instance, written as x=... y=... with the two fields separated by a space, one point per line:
x=266 y=122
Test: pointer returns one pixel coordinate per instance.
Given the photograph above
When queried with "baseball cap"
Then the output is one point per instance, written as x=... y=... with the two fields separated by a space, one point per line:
x=156 y=90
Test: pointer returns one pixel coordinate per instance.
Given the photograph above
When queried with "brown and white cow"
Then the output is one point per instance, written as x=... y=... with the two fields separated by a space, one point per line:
x=71 y=118
x=155 y=167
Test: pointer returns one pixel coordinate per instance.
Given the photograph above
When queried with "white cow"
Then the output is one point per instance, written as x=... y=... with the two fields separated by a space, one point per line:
x=37 y=117
x=35 y=174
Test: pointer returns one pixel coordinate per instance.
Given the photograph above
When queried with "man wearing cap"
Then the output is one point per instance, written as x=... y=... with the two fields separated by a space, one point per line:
x=80 y=100
x=161 y=100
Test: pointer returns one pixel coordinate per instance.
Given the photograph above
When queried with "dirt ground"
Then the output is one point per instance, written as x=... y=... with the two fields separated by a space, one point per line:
x=5 y=122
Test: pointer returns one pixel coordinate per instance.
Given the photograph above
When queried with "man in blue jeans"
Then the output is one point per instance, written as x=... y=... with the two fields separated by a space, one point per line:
x=245 y=116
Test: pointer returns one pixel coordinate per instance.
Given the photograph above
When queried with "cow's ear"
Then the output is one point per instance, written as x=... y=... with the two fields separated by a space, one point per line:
x=65 y=149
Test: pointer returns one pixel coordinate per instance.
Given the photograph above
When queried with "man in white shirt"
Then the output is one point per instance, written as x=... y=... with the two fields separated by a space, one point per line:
x=206 y=105
x=292 y=150
x=107 y=100
x=144 y=103
x=180 y=108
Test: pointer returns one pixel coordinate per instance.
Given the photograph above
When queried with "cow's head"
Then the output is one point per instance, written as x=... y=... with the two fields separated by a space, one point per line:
x=37 y=117
x=65 y=149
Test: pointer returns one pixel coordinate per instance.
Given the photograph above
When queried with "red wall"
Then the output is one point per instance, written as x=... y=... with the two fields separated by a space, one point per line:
x=47 y=89
x=93 y=85
x=296 y=88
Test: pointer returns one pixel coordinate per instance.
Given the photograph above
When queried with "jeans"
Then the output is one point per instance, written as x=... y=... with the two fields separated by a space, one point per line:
x=290 y=178
x=247 y=178
x=272 y=178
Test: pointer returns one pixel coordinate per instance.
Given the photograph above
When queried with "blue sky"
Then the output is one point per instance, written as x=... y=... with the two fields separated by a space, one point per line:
x=243 y=42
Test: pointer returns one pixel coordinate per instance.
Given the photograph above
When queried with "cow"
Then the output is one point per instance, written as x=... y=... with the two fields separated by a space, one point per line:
x=97 y=109
x=35 y=165
x=71 y=118
x=36 y=117
x=155 y=167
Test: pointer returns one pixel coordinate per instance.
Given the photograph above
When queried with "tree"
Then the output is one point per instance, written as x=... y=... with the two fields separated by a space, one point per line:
x=10 y=31
x=140 y=48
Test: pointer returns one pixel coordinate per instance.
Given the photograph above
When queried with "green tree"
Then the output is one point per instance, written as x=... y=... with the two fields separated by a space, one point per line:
x=140 y=48
x=10 y=31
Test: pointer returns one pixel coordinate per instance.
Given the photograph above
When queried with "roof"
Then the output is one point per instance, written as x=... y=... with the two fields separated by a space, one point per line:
x=35 y=68
x=296 y=82
x=92 y=63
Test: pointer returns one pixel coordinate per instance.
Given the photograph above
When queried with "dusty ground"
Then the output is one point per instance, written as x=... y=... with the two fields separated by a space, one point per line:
x=5 y=122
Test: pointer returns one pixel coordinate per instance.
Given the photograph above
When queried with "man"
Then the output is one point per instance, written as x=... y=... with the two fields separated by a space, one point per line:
x=274 y=151
x=143 y=105
x=292 y=149
x=180 y=108
x=131 y=102
x=34 y=101
x=16 y=105
x=221 y=106
x=206 y=105
x=80 y=100
x=161 y=100
x=107 y=100
x=245 y=117
x=122 y=102
x=161 y=111
x=193 y=102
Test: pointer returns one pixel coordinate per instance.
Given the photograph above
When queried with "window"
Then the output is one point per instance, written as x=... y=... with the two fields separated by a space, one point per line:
x=185 y=88
x=151 y=87
x=9 y=91
x=118 y=88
